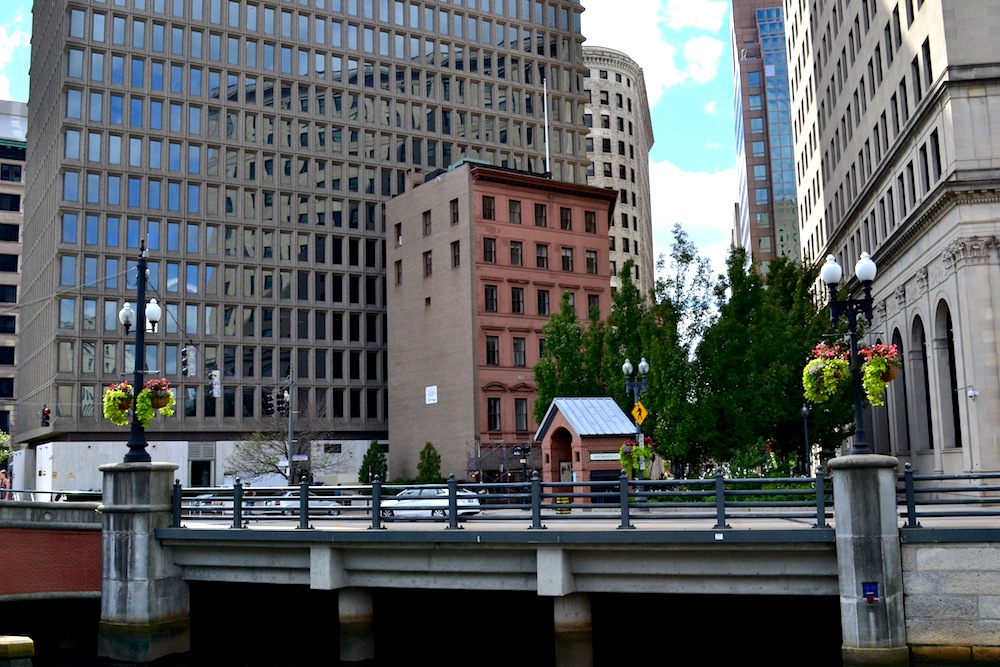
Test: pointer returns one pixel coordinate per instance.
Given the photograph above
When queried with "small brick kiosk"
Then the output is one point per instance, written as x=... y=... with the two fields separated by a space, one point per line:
x=581 y=438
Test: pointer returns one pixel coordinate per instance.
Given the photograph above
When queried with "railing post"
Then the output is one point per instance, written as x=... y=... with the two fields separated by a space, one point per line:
x=304 y=503
x=820 y=498
x=175 y=505
x=452 y=503
x=623 y=500
x=911 y=497
x=377 y=504
x=720 y=499
x=237 y=503
x=536 y=500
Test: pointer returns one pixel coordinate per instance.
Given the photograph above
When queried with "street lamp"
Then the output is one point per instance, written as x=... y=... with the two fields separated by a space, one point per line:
x=146 y=315
x=805 y=428
x=636 y=386
x=522 y=453
x=831 y=274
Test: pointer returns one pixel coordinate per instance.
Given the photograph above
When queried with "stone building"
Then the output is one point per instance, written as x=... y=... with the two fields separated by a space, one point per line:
x=621 y=136
x=896 y=137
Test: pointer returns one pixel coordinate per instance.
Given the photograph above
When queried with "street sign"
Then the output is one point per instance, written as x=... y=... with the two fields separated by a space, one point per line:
x=639 y=412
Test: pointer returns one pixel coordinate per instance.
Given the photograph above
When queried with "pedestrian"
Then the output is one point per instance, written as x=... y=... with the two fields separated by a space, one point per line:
x=4 y=485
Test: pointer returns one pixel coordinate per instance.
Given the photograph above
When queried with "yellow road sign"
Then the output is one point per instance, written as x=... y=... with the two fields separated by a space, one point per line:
x=639 y=412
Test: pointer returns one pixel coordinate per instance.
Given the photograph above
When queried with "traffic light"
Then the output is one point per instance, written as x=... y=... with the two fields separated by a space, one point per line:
x=268 y=403
x=282 y=401
x=46 y=416
x=189 y=355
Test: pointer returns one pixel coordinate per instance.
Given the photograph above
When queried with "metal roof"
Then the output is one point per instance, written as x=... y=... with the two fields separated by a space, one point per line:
x=589 y=417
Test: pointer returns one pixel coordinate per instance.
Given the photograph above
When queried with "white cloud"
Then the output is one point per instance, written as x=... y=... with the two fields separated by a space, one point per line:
x=702 y=55
x=710 y=108
x=644 y=34
x=12 y=41
x=702 y=14
x=703 y=204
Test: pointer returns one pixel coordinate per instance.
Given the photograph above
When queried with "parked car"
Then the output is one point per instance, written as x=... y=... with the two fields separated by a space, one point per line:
x=428 y=502
x=288 y=503
x=211 y=503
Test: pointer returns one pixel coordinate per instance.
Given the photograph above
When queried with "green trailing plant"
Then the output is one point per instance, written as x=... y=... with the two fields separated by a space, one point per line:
x=823 y=375
x=636 y=459
x=117 y=401
x=878 y=370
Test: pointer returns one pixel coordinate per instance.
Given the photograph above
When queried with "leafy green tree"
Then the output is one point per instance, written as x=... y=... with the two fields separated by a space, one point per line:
x=373 y=464
x=750 y=363
x=429 y=465
x=565 y=369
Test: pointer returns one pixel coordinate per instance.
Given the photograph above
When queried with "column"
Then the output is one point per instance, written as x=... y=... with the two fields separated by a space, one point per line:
x=574 y=632
x=868 y=560
x=145 y=605
x=357 y=626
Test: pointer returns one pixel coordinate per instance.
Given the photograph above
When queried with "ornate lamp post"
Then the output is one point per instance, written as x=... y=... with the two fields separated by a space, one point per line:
x=147 y=314
x=636 y=386
x=831 y=273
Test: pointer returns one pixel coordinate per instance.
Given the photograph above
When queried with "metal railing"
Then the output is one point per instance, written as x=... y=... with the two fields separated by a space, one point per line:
x=715 y=502
x=967 y=495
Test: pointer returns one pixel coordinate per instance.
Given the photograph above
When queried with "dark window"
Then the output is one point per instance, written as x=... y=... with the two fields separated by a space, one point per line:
x=8 y=293
x=10 y=172
x=8 y=263
x=10 y=202
x=6 y=355
x=10 y=233
x=565 y=218
x=7 y=324
x=489 y=208
x=490 y=298
x=492 y=351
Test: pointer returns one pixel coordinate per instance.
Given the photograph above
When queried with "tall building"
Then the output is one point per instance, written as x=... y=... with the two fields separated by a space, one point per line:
x=13 y=130
x=767 y=221
x=480 y=256
x=251 y=145
x=621 y=136
x=897 y=157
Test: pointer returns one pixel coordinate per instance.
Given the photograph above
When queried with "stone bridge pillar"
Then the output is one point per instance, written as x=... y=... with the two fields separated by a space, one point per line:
x=869 y=560
x=145 y=606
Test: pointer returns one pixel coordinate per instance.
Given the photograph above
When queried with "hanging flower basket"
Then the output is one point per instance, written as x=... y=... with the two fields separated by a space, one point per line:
x=823 y=376
x=117 y=401
x=880 y=367
x=636 y=460
x=156 y=396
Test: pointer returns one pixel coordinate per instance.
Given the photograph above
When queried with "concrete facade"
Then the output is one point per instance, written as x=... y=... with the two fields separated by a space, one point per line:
x=13 y=131
x=621 y=136
x=251 y=145
x=484 y=254
x=894 y=110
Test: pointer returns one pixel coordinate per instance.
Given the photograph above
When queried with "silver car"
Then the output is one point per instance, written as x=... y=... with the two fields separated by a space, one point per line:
x=428 y=502
x=288 y=503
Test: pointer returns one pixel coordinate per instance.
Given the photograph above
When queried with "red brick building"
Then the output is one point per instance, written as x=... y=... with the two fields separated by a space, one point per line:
x=581 y=438
x=478 y=258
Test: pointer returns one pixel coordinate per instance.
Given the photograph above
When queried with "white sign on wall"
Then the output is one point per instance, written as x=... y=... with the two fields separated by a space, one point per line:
x=604 y=456
x=431 y=394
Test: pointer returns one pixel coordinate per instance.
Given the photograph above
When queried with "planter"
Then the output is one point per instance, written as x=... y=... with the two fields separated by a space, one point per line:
x=890 y=374
x=124 y=404
x=160 y=401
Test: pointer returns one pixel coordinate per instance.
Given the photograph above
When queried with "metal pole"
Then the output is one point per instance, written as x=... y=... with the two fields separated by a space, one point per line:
x=291 y=412
x=806 y=467
x=861 y=444
x=137 y=438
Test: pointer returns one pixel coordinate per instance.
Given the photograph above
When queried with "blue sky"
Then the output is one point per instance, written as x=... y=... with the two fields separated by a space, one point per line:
x=683 y=49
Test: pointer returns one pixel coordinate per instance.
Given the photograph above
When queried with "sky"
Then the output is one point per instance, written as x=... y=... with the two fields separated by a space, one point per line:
x=682 y=47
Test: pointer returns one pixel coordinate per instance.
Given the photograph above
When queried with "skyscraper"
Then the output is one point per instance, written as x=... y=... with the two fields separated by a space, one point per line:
x=13 y=128
x=621 y=136
x=897 y=157
x=250 y=144
x=767 y=224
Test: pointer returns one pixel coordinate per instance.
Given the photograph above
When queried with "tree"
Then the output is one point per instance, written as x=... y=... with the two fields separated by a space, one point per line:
x=429 y=465
x=565 y=369
x=750 y=364
x=373 y=465
x=261 y=452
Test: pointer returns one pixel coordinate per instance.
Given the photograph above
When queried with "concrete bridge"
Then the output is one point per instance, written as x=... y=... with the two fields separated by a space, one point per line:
x=907 y=594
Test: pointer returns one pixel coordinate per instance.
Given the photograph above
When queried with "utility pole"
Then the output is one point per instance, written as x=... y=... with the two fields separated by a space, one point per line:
x=289 y=405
